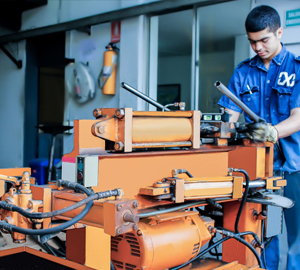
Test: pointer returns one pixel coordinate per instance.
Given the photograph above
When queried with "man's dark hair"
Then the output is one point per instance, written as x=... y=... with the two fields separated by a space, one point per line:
x=262 y=17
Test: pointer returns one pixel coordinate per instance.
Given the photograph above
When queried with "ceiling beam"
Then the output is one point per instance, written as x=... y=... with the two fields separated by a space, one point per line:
x=153 y=8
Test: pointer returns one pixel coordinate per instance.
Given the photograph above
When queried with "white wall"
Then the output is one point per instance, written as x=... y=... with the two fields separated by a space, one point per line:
x=290 y=34
x=12 y=83
x=134 y=60
x=87 y=49
x=176 y=70
x=131 y=68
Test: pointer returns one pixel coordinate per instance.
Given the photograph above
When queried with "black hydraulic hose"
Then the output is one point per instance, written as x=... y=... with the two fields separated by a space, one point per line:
x=201 y=253
x=216 y=253
x=263 y=250
x=259 y=243
x=236 y=225
x=12 y=228
x=256 y=238
x=228 y=236
x=39 y=215
x=244 y=242
x=74 y=186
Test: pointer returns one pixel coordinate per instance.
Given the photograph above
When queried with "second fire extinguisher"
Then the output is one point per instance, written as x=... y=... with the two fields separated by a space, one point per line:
x=107 y=77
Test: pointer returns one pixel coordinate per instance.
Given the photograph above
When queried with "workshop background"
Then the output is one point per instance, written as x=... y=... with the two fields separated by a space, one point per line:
x=179 y=47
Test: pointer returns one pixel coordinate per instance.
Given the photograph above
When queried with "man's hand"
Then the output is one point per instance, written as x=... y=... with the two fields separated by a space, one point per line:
x=262 y=132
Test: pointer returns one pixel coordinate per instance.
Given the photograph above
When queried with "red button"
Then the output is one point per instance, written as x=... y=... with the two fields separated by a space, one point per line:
x=79 y=175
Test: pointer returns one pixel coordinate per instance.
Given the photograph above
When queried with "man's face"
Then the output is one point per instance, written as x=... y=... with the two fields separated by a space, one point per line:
x=266 y=44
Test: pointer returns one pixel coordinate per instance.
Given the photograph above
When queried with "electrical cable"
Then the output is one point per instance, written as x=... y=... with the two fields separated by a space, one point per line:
x=263 y=250
x=236 y=225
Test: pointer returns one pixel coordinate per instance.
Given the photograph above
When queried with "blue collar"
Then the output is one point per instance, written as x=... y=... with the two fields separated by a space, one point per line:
x=278 y=59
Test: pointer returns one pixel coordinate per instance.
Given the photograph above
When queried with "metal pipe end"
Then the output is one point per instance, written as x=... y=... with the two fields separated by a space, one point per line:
x=217 y=83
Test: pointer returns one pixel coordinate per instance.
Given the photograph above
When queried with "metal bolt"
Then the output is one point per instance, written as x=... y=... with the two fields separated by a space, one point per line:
x=120 y=113
x=135 y=227
x=97 y=113
x=139 y=233
x=101 y=129
x=119 y=146
x=119 y=207
x=135 y=204
x=119 y=231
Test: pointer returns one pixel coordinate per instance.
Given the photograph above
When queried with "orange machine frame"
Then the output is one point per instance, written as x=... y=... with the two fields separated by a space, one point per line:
x=148 y=181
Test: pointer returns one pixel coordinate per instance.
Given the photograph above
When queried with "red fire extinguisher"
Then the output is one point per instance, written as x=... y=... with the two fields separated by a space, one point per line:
x=107 y=77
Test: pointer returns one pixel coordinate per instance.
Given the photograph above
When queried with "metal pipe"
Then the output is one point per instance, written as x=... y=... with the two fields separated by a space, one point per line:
x=51 y=159
x=256 y=184
x=238 y=102
x=143 y=96
x=180 y=207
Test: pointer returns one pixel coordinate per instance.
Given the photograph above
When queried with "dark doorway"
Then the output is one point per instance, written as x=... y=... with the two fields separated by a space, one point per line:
x=44 y=94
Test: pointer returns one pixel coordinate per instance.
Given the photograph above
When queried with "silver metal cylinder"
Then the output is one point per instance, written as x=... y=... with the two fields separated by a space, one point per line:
x=238 y=102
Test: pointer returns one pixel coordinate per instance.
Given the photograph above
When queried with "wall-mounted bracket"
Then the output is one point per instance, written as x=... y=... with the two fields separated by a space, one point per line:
x=18 y=63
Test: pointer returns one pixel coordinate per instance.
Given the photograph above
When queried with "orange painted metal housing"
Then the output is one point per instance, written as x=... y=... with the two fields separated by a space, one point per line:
x=162 y=241
x=232 y=249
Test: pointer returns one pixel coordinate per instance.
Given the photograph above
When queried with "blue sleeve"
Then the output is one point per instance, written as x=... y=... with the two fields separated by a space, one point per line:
x=295 y=98
x=234 y=86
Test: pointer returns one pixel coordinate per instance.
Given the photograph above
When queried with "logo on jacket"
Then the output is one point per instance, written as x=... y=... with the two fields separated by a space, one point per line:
x=284 y=78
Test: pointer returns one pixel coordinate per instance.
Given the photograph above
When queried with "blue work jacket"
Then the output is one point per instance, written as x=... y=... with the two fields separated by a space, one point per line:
x=271 y=94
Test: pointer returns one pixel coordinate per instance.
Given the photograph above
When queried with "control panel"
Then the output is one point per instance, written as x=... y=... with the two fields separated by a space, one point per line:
x=87 y=170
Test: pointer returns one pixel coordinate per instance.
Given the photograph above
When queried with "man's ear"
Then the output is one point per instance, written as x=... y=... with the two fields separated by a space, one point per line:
x=279 y=32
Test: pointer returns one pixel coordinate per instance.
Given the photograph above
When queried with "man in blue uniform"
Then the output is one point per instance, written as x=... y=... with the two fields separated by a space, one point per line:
x=269 y=85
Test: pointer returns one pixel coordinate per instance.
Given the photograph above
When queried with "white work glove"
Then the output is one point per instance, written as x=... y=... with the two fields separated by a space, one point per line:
x=262 y=132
